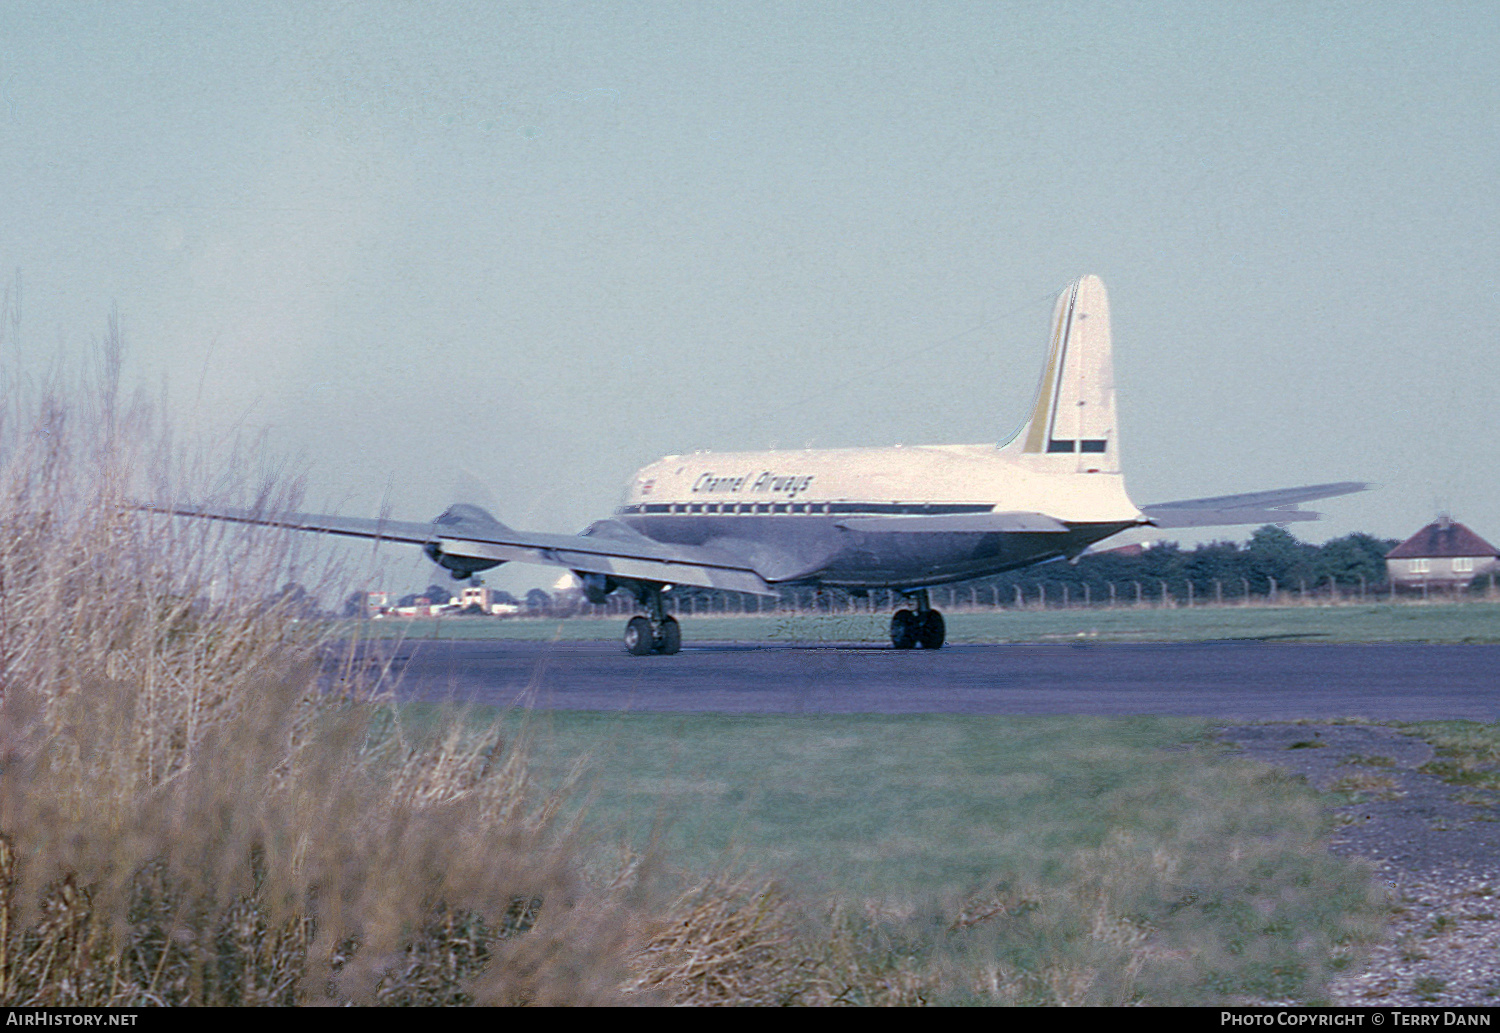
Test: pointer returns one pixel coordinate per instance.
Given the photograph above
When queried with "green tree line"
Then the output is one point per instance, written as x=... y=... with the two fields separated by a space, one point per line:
x=1272 y=554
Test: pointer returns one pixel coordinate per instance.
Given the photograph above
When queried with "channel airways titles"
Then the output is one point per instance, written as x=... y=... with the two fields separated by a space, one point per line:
x=767 y=482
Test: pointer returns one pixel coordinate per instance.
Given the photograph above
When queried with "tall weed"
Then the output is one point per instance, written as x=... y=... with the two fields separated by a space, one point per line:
x=186 y=815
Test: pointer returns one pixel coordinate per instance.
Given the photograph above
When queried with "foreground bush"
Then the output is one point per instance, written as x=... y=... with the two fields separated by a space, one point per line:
x=297 y=859
x=186 y=815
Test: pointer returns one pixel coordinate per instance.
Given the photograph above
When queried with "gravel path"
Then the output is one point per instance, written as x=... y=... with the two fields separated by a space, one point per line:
x=1436 y=846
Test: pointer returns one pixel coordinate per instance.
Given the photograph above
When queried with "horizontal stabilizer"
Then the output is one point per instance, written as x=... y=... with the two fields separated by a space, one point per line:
x=1222 y=517
x=958 y=523
x=1257 y=507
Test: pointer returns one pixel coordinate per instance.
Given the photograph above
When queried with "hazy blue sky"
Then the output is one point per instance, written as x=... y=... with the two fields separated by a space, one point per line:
x=532 y=247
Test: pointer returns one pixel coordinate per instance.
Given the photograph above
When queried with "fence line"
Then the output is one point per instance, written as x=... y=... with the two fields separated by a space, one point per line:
x=1146 y=594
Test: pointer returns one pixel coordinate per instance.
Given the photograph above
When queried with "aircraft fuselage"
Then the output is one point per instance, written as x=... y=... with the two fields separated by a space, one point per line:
x=789 y=511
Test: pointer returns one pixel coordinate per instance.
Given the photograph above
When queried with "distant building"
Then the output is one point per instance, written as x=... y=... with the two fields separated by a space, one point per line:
x=1445 y=553
x=474 y=595
x=485 y=599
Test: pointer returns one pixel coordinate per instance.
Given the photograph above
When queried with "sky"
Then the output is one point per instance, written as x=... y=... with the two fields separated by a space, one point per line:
x=509 y=253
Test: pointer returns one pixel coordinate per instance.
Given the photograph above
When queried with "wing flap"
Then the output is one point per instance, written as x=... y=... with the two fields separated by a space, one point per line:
x=961 y=523
x=681 y=566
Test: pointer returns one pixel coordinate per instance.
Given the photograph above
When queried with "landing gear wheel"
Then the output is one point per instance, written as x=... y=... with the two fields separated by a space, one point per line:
x=903 y=629
x=638 y=638
x=931 y=630
x=668 y=636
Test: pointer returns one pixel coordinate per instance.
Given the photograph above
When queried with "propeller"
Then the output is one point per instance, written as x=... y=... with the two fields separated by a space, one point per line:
x=468 y=487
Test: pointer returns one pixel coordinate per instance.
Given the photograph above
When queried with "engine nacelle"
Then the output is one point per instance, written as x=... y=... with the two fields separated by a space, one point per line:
x=596 y=587
x=460 y=568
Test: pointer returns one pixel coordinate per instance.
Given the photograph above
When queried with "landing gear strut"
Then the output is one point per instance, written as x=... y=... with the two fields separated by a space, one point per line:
x=923 y=628
x=657 y=632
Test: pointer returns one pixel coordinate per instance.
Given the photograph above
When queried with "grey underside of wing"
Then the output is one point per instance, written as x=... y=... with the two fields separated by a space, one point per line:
x=1257 y=507
x=982 y=523
x=632 y=557
x=673 y=565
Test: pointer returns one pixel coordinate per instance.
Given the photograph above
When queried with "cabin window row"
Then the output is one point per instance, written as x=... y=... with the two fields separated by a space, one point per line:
x=839 y=508
x=739 y=507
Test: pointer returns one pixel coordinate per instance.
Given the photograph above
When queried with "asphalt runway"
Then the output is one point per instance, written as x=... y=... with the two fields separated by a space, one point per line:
x=1256 y=680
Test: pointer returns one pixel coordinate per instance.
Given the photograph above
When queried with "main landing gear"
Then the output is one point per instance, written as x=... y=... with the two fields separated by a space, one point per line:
x=924 y=628
x=657 y=632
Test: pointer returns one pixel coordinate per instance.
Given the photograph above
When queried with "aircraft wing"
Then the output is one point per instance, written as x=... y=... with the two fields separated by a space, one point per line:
x=468 y=532
x=958 y=522
x=352 y=527
x=1256 y=507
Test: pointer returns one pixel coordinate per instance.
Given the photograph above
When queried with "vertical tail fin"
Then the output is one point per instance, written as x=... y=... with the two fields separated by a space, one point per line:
x=1072 y=422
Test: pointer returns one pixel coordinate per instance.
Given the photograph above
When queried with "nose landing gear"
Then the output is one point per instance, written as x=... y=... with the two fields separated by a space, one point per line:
x=657 y=632
x=924 y=628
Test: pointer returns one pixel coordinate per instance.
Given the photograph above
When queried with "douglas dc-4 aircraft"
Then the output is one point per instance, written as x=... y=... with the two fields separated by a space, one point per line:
x=902 y=518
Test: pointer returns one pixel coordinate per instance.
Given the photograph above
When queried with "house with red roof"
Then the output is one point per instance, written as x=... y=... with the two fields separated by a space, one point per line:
x=1444 y=552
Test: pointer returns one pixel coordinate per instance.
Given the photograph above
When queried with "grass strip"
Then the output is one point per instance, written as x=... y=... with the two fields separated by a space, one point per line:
x=1012 y=860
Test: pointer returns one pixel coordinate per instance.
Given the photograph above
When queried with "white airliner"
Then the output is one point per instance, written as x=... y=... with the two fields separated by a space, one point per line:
x=902 y=518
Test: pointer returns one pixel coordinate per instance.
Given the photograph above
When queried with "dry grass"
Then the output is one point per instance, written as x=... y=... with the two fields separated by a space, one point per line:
x=730 y=941
x=1363 y=782
x=186 y=817
x=296 y=858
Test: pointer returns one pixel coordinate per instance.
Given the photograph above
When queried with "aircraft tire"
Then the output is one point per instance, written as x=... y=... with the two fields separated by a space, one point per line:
x=903 y=629
x=669 y=636
x=931 y=630
x=638 y=638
